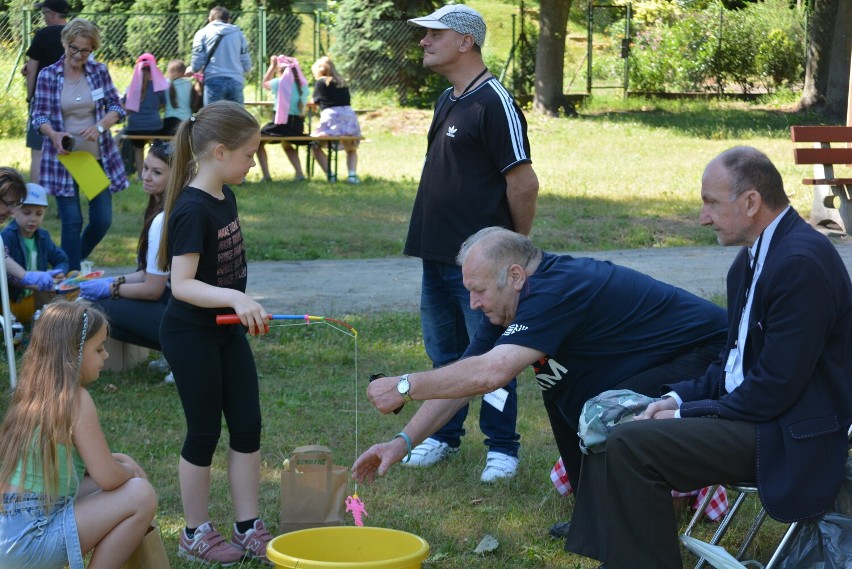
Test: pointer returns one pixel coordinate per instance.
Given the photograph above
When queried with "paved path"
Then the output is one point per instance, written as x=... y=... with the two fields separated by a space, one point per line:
x=330 y=288
x=363 y=286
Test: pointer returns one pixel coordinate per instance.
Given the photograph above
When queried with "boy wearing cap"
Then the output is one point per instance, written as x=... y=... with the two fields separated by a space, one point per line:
x=30 y=245
x=477 y=174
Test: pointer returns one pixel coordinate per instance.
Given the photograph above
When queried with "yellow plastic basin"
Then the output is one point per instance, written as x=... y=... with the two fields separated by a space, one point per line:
x=348 y=547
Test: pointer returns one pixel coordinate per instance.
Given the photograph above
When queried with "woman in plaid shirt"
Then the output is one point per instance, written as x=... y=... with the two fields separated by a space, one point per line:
x=75 y=99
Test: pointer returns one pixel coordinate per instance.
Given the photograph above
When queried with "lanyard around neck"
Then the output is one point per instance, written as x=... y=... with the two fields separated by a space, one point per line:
x=437 y=124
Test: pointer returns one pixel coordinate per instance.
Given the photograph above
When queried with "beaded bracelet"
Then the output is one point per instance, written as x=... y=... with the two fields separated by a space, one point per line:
x=407 y=440
x=115 y=284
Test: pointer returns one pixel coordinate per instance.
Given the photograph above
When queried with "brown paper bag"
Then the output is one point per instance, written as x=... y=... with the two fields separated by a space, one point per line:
x=313 y=490
x=150 y=554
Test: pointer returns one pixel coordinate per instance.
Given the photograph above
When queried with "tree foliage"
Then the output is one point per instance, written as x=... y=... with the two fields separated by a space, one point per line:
x=364 y=54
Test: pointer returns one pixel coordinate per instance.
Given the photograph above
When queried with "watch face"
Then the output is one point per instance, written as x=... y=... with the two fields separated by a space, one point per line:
x=402 y=386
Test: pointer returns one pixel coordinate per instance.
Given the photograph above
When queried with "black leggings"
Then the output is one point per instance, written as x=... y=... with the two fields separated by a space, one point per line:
x=215 y=373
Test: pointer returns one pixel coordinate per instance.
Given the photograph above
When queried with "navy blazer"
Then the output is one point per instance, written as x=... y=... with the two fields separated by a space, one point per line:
x=798 y=377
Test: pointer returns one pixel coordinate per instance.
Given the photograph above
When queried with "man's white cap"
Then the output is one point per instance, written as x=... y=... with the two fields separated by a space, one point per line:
x=456 y=17
x=36 y=195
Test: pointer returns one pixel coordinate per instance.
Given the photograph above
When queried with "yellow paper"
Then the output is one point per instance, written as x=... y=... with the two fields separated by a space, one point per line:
x=86 y=172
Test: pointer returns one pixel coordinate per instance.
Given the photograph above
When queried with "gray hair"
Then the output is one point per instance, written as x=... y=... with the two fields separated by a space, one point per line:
x=502 y=248
x=749 y=168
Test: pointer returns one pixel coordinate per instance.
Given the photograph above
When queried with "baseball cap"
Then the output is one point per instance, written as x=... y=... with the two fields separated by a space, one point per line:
x=456 y=17
x=58 y=6
x=36 y=195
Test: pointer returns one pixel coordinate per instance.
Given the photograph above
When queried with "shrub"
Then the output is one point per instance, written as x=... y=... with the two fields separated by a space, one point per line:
x=779 y=59
x=709 y=47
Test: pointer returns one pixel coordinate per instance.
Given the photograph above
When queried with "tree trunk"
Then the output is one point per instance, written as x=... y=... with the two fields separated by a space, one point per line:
x=550 y=57
x=828 y=61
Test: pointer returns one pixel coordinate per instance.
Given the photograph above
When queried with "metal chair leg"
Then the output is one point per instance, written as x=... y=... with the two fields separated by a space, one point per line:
x=789 y=536
x=752 y=532
x=723 y=526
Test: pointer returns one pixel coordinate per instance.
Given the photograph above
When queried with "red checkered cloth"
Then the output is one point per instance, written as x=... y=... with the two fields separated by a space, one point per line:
x=714 y=510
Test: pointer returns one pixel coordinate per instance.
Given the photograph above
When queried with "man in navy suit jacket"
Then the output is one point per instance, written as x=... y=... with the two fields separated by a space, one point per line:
x=776 y=406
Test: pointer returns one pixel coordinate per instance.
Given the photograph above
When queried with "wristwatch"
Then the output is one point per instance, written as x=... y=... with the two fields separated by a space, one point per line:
x=403 y=386
x=99 y=127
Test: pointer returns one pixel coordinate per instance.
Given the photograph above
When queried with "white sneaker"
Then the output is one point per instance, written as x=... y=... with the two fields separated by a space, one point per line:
x=499 y=466
x=160 y=365
x=429 y=452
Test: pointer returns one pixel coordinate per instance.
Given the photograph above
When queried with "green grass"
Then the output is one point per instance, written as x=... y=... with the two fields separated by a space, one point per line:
x=624 y=175
x=308 y=391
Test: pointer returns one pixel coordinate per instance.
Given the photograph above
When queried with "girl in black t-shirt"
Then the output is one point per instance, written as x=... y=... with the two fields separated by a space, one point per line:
x=213 y=365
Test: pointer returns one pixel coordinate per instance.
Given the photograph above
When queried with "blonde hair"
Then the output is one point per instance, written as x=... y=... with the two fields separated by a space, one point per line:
x=323 y=68
x=222 y=122
x=41 y=412
x=81 y=27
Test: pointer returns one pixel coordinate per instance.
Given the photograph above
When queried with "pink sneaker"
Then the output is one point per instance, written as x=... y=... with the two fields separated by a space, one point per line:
x=253 y=542
x=207 y=546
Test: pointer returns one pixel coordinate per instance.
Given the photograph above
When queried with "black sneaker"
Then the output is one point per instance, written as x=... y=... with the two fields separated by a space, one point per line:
x=559 y=530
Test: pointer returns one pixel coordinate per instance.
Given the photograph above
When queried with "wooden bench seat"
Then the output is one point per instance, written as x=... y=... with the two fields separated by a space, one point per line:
x=123 y=356
x=832 y=194
x=329 y=141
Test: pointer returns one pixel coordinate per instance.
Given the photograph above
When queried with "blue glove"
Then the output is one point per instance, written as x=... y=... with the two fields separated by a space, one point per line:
x=96 y=289
x=53 y=273
x=41 y=279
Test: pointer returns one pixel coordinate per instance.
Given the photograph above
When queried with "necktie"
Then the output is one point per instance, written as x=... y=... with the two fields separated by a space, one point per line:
x=748 y=278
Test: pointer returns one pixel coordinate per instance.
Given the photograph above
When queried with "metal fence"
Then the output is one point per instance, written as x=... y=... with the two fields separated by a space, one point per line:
x=392 y=49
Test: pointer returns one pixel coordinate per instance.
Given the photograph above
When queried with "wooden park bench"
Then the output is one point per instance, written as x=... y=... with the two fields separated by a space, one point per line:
x=331 y=143
x=831 y=206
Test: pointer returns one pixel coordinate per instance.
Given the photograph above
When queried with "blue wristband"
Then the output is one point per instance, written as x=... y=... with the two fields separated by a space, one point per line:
x=407 y=440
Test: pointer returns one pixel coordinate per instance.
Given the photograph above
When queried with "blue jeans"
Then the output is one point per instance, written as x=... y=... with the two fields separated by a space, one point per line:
x=448 y=324
x=29 y=537
x=79 y=247
x=219 y=88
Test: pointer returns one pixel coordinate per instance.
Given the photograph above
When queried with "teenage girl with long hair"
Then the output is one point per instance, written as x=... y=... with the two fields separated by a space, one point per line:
x=64 y=492
x=213 y=365
x=134 y=303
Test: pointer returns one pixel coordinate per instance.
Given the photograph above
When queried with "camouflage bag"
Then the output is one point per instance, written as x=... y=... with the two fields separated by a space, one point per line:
x=602 y=412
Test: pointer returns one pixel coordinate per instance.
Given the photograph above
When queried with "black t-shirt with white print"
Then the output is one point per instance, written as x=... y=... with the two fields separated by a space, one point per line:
x=200 y=223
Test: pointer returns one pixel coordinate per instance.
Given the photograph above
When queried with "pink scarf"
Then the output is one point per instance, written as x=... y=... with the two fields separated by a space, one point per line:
x=134 y=92
x=289 y=65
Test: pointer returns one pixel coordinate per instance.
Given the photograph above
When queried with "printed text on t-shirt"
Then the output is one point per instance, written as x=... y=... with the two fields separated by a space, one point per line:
x=231 y=262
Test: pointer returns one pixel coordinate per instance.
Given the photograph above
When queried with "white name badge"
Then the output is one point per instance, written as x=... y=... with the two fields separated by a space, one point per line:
x=496 y=398
x=97 y=94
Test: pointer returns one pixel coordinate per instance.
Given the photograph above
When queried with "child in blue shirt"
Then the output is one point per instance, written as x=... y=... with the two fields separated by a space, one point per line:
x=31 y=246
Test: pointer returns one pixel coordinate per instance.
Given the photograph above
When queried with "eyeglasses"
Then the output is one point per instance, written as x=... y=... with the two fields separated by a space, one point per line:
x=77 y=51
x=10 y=205
x=164 y=147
